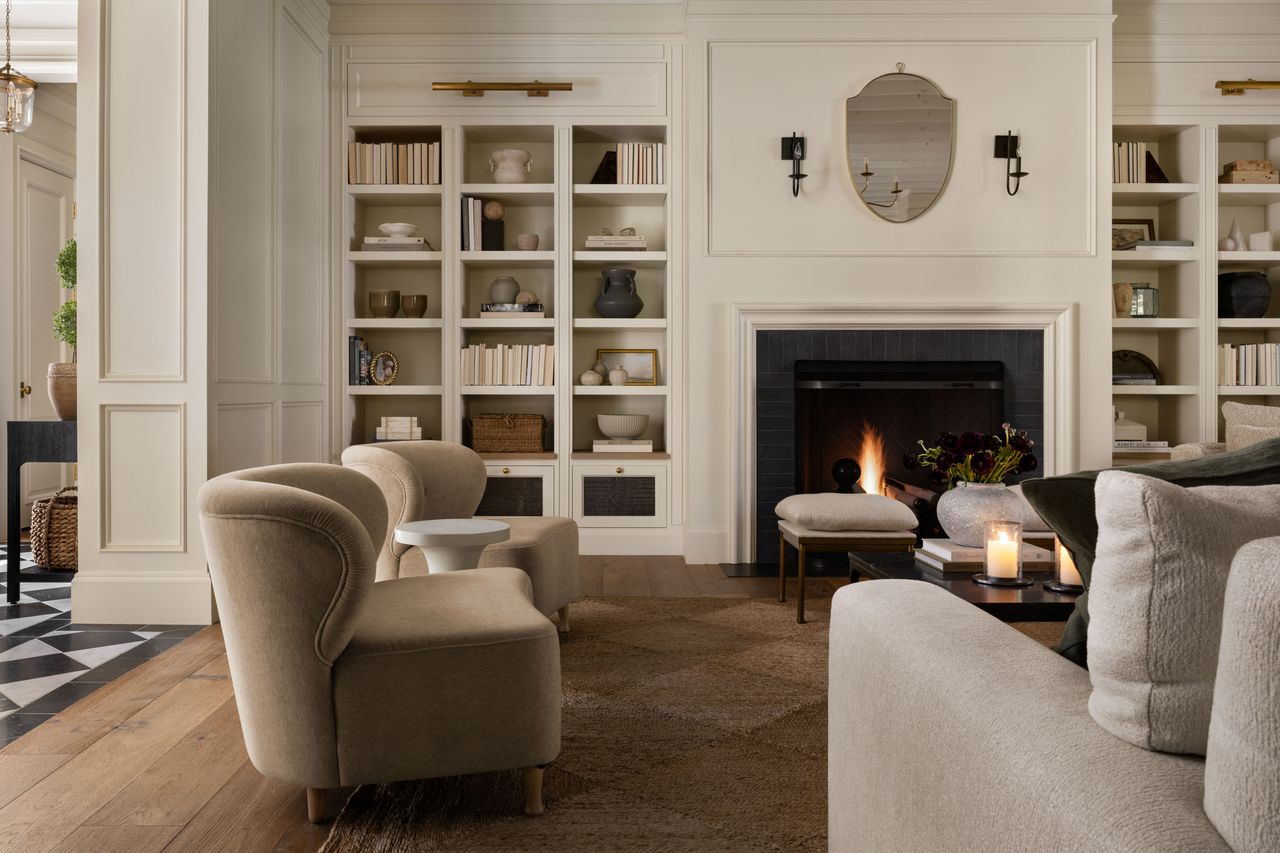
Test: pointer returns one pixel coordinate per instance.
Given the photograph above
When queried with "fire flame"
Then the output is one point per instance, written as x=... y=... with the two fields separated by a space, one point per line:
x=871 y=460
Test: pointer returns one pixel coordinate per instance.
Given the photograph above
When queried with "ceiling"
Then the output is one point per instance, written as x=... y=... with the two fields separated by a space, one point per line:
x=44 y=39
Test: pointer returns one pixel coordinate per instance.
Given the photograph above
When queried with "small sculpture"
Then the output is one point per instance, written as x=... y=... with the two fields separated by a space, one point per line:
x=526 y=297
x=493 y=210
x=599 y=368
x=527 y=242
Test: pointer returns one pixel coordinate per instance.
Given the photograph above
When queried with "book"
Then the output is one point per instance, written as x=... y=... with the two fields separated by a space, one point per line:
x=617 y=446
x=355 y=345
x=395 y=241
x=1137 y=444
x=946 y=556
x=510 y=307
x=393 y=163
x=512 y=315
x=1250 y=178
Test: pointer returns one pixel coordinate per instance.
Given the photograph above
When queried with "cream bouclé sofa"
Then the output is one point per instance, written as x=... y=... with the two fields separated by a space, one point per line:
x=951 y=731
x=439 y=479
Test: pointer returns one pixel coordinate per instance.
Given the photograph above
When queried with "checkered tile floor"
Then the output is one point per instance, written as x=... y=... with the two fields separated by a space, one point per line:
x=48 y=662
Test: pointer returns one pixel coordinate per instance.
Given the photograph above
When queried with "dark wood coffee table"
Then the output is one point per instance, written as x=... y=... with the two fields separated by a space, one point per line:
x=1019 y=604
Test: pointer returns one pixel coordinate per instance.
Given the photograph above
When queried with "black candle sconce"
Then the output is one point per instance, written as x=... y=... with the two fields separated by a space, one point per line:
x=793 y=150
x=1009 y=148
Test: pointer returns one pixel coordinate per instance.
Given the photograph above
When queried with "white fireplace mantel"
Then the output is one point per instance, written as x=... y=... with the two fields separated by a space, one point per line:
x=1057 y=322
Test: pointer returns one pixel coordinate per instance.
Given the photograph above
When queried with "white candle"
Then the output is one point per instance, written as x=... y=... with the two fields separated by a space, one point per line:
x=1067 y=571
x=1002 y=556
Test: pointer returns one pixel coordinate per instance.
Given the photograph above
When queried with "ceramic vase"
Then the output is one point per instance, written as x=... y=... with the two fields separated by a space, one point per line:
x=62 y=389
x=503 y=290
x=510 y=165
x=964 y=511
x=590 y=377
x=618 y=298
x=618 y=376
x=1243 y=294
x=527 y=242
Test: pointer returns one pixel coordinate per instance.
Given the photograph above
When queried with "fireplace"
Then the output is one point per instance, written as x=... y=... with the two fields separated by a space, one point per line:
x=820 y=395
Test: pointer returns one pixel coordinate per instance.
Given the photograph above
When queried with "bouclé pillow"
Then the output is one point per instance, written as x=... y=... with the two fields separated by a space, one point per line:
x=1247 y=425
x=831 y=511
x=1156 y=600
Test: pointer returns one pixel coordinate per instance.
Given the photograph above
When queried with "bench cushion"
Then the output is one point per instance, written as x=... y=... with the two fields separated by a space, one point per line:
x=831 y=511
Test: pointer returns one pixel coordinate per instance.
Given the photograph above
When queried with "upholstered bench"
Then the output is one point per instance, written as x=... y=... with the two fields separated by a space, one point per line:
x=838 y=522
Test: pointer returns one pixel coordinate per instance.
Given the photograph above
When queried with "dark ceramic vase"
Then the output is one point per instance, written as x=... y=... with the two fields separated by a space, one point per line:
x=1243 y=294
x=618 y=298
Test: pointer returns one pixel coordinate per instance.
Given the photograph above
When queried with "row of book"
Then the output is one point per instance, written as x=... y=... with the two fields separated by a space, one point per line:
x=609 y=242
x=1249 y=364
x=393 y=163
x=480 y=234
x=1131 y=163
x=359 y=360
x=397 y=428
x=509 y=364
x=642 y=163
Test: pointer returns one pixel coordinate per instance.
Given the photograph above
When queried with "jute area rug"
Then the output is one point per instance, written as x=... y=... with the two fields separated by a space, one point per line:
x=689 y=724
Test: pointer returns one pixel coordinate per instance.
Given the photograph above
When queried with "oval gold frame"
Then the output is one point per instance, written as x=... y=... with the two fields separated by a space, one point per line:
x=951 y=153
x=373 y=364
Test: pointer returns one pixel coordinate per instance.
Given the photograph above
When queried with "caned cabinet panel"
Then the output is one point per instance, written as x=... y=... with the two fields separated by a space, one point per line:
x=622 y=495
x=518 y=490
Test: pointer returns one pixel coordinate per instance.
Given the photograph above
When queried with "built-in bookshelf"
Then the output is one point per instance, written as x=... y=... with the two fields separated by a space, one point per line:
x=1186 y=341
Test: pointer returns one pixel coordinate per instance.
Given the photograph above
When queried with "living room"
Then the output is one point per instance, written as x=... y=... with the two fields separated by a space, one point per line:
x=704 y=415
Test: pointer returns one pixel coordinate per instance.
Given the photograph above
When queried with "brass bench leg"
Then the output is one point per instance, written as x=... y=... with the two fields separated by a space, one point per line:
x=800 y=588
x=782 y=567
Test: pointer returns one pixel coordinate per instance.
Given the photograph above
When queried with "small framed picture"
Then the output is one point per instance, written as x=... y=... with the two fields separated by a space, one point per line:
x=1126 y=232
x=641 y=364
x=384 y=368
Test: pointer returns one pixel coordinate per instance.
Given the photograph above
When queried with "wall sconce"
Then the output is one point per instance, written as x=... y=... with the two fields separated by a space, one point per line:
x=1009 y=147
x=866 y=174
x=793 y=150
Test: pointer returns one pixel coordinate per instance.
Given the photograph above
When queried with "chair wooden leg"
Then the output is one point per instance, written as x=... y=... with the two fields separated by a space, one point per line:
x=782 y=567
x=562 y=619
x=533 y=790
x=800 y=589
x=315 y=805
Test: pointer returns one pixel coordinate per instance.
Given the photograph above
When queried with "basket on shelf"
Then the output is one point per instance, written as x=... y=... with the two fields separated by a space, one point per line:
x=508 y=433
x=53 y=531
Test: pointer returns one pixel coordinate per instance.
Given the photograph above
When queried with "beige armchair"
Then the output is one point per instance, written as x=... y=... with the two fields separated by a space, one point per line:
x=342 y=681
x=438 y=479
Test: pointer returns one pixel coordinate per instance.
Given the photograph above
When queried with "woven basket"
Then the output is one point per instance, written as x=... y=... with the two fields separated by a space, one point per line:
x=53 y=531
x=507 y=433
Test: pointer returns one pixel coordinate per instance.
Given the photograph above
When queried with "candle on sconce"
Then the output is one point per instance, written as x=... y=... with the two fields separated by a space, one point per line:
x=896 y=188
x=866 y=165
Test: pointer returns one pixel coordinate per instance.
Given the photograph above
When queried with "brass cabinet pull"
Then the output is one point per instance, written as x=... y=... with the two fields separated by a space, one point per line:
x=506 y=470
x=619 y=470
x=24 y=389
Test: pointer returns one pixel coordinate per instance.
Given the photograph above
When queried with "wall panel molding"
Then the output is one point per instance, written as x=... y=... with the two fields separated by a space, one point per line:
x=143 y=514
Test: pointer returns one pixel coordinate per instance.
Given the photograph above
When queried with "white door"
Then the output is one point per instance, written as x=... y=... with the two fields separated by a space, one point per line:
x=44 y=225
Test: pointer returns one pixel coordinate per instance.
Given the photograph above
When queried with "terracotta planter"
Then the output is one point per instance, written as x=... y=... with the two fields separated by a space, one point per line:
x=62 y=389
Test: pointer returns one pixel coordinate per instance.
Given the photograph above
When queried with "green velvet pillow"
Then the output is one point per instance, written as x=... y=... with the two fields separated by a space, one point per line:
x=1066 y=505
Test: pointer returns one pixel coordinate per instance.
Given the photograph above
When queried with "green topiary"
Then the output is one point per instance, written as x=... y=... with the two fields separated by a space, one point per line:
x=66 y=264
x=64 y=319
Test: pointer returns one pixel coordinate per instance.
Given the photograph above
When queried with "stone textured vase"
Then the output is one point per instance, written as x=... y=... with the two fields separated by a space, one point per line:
x=618 y=298
x=62 y=389
x=510 y=165
x=964 y=511
x=1243 y=294
x=503 y=290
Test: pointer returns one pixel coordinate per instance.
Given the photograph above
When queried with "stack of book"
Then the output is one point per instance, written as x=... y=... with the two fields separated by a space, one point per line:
x=612 y=243
x=943 y=555
x=509 y=364
x=358 y=360
x=480 y=234
x=642 y=163
x=1249 y=364
x=1249 y=172
x=398 y=429
x=622 y=445
x=393 y=163
x=1144 y=451
x=1131 y=163
x=511 y=311
x=395 y=244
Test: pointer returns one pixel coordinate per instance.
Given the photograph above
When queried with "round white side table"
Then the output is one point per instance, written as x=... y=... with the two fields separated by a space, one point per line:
x=452 y=544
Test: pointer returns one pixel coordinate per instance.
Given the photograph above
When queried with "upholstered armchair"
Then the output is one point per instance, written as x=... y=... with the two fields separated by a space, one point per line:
x=341 y=681
x=438 y=479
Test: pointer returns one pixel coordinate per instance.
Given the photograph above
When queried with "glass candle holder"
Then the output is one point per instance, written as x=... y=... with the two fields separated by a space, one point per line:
x=1002 y=555
x=1146 y=301
x=1066 y=577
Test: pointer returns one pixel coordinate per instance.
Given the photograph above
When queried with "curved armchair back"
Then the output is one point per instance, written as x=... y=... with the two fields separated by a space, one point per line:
x=292 y=553
x=419 y=480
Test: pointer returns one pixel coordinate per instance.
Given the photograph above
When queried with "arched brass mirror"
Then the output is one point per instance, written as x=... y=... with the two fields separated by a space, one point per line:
x=899 y=135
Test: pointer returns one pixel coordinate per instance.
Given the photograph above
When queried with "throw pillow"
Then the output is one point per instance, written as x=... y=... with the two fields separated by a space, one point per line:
x=831 y=511
x=1243 y=435
x=1159 y=583
x=1066 y=503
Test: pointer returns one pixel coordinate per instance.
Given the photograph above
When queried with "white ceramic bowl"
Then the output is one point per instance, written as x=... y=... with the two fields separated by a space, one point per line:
x=398 y=229
x=622 y=426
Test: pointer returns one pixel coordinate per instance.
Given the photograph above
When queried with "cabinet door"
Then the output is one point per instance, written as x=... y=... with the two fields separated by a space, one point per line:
x=518 y=490
x=622 y=495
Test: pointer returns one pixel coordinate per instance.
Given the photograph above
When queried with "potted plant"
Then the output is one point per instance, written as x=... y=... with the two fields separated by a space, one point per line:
x=974 y=469
x=62 y=375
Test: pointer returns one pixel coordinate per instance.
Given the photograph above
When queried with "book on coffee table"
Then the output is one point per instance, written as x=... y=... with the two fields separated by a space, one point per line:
x=945 y=556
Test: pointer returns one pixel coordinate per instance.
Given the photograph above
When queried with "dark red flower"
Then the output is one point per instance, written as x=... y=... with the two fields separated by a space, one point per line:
x=970 y=442
x=990 y=442
x=1028 y=463
x=945 y=460
x=1021 y=443
x=983 y=463
x=910 y=460
x=948 y=441
x=937 y=477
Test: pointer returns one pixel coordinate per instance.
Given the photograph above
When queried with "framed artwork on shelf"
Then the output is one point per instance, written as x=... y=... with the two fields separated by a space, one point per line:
x=1127 y=232
x=641 y=364
x=384 y=368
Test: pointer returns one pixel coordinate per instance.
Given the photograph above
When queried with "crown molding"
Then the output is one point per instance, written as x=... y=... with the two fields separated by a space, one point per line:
x=499 y=17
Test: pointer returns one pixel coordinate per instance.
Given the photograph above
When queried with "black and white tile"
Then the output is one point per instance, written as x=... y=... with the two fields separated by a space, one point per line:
x=48 y=662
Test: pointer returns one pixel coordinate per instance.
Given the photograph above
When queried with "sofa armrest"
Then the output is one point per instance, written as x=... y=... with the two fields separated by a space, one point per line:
x=1242 y=766
x=1197 y=451
x=949 y=730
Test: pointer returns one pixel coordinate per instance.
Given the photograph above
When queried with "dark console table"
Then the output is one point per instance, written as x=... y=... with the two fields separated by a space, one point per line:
x=1019 y=604
x=32 y=441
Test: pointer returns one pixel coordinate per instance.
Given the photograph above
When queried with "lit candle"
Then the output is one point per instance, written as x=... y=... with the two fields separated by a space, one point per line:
x=1002 y=556
x=1068 y=574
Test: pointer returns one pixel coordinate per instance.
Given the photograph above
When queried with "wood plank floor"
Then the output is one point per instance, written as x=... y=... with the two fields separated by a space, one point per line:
x=155 y=760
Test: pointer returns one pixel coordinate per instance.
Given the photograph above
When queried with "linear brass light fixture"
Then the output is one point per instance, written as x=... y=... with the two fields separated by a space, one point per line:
x=1237 y=87
x=471 y=89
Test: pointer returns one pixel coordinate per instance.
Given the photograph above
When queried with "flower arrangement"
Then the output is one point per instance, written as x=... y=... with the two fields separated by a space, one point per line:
x=973 y=457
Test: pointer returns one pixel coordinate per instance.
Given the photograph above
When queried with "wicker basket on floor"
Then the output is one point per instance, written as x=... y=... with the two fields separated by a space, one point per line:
x=507 y=433
x=53 y=531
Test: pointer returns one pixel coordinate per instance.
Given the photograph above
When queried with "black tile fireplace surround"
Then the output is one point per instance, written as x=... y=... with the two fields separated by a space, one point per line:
x=924 y=402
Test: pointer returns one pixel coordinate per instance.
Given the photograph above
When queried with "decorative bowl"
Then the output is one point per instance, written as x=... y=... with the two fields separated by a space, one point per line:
x=622 y=426
x=384 y=303
x=398 y=229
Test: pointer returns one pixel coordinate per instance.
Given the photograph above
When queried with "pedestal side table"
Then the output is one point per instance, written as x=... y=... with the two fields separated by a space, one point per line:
x=452 y=544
